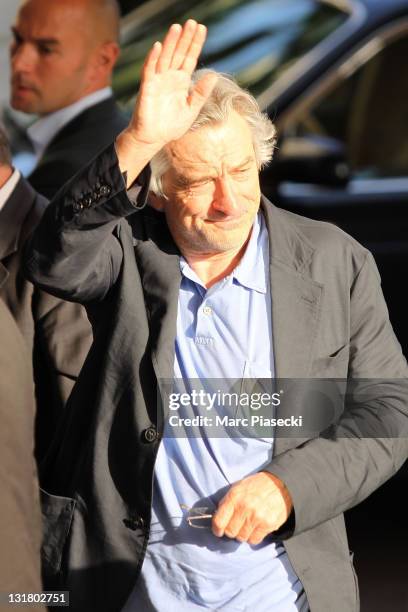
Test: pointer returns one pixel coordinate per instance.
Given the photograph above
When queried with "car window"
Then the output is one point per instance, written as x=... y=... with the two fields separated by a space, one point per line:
x=256 y=40
x=367 y=113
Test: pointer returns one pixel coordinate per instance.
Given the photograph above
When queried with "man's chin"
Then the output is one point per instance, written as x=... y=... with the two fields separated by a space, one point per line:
x=223 y=241
x=24 y=104
x=21 y=106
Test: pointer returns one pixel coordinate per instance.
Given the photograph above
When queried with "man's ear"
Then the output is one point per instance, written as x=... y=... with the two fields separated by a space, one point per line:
x=157 y=202
x=107 y=55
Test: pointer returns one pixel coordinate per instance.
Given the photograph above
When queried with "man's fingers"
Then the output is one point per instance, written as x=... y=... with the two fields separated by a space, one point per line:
x=201 y=91
x=194 y=50
x=246 y=531
x=149 y=66
x=180 y=50
x=236 y=524
x=183 y=44
x=221 y=519
x=169 y=44
x=257 y=536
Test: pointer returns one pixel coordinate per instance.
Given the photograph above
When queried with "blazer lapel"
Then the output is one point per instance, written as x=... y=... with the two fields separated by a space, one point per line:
x=97 y=114
x=295 y=317
x=4 y=274
x=12 y=221
x=159 y=263
x=296 y=301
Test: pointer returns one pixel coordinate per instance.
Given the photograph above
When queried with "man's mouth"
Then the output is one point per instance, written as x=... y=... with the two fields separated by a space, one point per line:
x=23 y=88
x=226 y=221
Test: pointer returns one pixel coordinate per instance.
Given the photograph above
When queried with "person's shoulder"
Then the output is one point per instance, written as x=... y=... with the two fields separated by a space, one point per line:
x=329 y=244
x=320 y=234
x=76 y=144
x=89 y=121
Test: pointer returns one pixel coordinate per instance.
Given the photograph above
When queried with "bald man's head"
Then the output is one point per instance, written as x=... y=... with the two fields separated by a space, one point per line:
x=103 y=17
x=99 y=19
x=62 y=51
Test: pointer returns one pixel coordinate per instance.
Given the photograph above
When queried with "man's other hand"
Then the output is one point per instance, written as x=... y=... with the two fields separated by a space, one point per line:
x=253 y=508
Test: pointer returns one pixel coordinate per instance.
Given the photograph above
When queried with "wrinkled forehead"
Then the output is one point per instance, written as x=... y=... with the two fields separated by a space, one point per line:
x=215 y=146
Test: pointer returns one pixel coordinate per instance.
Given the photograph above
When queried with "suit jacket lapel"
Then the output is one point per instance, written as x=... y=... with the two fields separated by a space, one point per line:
x=295 y=317
x=295 y=296
x=4 y=274
x=96 y=113
x=159 y=262
x=296 y=301
x=12 y=222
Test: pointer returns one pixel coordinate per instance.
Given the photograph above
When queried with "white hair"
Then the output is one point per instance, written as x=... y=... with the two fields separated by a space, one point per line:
x=226 y=97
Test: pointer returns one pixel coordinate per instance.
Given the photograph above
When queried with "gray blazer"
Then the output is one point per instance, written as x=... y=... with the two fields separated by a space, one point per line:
x=97 y=246
x=58 y=334
x=20 y=519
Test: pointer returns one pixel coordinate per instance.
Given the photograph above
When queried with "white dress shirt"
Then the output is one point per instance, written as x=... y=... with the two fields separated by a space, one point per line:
x=8 y=188
x=44 y=129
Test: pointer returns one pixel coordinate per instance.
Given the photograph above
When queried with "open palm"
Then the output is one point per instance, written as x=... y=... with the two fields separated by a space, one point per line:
x=166 y=105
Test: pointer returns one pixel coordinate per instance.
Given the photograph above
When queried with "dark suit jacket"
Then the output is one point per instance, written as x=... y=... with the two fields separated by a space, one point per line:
x=57 y=333
x=20 y=526
x=76 y=144
x=329 y=320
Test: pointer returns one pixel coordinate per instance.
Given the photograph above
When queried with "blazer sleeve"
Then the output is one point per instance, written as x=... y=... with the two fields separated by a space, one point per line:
x=75 y=252
x=369 y=443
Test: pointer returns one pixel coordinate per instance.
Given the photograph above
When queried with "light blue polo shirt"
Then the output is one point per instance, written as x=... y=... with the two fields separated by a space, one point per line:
x=224 y=332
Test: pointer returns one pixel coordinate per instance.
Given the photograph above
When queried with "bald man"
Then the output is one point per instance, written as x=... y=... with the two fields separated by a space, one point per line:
x=62 y=58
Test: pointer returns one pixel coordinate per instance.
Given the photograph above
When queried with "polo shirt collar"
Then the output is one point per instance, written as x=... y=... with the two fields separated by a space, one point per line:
x=251 y=272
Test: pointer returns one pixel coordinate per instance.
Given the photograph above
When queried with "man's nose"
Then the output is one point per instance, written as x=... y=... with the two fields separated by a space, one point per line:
x=23 y=58
x=225 y=198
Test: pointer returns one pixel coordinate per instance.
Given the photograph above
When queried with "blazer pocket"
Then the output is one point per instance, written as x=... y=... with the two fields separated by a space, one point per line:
x=334 y=365
x=57 y=514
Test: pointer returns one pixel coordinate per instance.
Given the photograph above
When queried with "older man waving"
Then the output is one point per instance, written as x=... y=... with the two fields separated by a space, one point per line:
x=208 y=281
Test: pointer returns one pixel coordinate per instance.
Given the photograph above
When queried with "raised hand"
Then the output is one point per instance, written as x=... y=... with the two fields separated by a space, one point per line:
x=165 y=107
